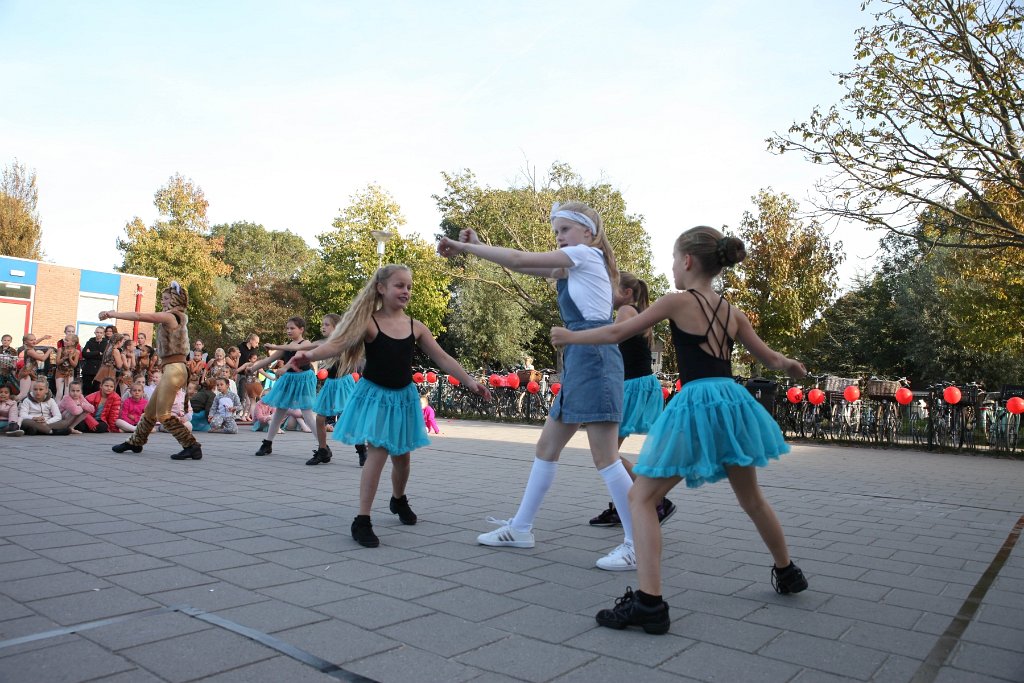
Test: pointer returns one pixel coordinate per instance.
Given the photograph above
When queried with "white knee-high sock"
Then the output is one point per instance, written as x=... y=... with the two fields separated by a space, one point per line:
x=541 y=476
x=616 y=478
x=279 y=415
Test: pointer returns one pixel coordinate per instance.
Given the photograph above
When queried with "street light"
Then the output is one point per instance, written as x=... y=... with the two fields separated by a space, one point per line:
x=382 y=237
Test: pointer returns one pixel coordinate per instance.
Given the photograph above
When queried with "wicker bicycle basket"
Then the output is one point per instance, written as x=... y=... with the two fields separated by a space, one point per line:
x=527 y=376
x=1011 y=391
x=833 y=384
x=879 y=389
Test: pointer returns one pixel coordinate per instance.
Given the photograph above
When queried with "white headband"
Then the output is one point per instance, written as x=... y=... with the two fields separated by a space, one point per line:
x=581 y=218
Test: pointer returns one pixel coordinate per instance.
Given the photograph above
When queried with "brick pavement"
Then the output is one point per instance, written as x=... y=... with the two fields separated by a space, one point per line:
x=237 y=568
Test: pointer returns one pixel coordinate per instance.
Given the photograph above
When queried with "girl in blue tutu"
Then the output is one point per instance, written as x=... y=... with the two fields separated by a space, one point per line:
x=712 y=429
x=295 y=386
x=384 y=409
x=592 y=376
x=642 y=398
x=333 y=395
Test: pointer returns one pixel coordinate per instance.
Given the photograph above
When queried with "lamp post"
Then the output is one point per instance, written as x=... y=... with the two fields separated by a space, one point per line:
x=382 y=237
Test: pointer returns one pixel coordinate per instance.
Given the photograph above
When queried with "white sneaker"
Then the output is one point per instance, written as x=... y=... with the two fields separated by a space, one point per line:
x=506 y=536
x=622 y=559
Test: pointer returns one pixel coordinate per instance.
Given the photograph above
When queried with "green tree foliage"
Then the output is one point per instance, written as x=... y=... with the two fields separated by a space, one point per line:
x=262 y=290
x=20 y=231
x=178 y=247
x=348 y=257
x=517 y=217
x=789 y=275
x=933 y=114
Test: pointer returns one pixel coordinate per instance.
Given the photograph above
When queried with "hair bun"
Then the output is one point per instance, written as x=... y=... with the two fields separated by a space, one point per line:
x=732 y=251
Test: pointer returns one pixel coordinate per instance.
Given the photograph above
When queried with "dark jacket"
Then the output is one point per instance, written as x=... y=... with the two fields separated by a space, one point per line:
x=92 y=356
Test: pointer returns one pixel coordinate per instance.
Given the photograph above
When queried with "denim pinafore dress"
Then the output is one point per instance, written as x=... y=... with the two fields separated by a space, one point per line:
x=592 y=376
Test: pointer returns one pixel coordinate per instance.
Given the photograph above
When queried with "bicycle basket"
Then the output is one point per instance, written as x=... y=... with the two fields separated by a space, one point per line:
x=527 y=376
x=1010 y=391
x=970 y=395
x=837 y=384
x=835 y=397
x=879 y=389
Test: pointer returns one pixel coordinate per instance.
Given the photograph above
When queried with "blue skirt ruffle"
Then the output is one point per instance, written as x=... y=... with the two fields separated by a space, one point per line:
x=642 y=403
x=391 y=419
x=709 y=424
x=293 y=390
x=333 y=396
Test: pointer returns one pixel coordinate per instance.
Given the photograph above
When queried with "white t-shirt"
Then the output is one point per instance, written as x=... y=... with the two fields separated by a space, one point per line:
x=588 y=283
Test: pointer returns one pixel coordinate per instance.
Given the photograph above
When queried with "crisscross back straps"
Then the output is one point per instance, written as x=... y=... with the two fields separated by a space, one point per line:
x=717 y=335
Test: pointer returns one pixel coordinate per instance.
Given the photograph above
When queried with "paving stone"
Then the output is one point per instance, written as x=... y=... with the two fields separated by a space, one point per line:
x=78 y=553
x=160 y=580
x=311 y=592
x=545 y=624
x=145 y=629
x=52 y=663
x=527 y=659
x=611 y=671
x=261 y=575
x=279 y=668
x=272 y=616
x=38 y=566
x=337 y=642
x=93 y=605
x=470 y=603
x=209 y=597
x=121 y=564
x=373 y=611
x=208 y=652
x=827 y=655
x=212 y=560
x=52 y=585
x=396 y=666
x=989 y=661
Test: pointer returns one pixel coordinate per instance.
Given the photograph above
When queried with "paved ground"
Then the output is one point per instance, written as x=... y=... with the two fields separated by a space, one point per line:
x=137 y=568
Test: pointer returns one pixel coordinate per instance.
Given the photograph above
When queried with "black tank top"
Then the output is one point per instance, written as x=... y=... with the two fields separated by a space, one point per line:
x=332 y=371
x=389 y=360
x=288 y=355
x=695 y=362
x=636 y=356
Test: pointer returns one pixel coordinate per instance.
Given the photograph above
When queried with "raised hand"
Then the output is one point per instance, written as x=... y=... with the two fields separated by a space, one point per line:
x=449 y=248
x=469 y=236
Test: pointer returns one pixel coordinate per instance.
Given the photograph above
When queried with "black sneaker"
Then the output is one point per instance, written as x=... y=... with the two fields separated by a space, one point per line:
x=629 y=611
x=320 y=455
x=788 y=579
x=609 y=517
x=191 y=453
x=665 y=510
x=361 y=450
x=400 y=506
x=266 y=448
x=126 y=446
x=362 y=531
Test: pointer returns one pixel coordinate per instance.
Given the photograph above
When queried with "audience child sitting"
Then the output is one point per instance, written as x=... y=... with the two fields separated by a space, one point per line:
x=132 y=408
x=202 y=405
x=225 y=406
x=9 y=422
x=107 y=406
x=39 y=412
x=261 y=414
x=75 y=408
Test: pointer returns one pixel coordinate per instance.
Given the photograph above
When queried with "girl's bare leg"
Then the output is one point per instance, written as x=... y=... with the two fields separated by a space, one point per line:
x=748 y=493
x=644 y=497
x=370 y=477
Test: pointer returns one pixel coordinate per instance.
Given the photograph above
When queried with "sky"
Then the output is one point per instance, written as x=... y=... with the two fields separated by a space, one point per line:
x=281 y=111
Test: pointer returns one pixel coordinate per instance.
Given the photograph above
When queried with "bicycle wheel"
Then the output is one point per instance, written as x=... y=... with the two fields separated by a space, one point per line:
x=1012 y=432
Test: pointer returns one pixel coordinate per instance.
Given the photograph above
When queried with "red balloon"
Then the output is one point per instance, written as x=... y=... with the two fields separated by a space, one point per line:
x=951 y=395
x=795 y=394
x=496 y=381
x=453 y=381
x=20 y=364
x=665 y=393
x=431 y=377
x=555 y=388
x=321 y=373
x=532 y=387
x=512 y=380
x=816 y=397
x=851 y=393
x=355 y=376
x=904 y=396
x=417 y=377
x=679 y=384
x=1015 y=405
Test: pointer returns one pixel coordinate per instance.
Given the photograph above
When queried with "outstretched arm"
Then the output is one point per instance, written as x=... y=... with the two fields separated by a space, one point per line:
x=429 y=345
x=304 y=346
x=772 y=359
x=661 y=309
x=543 y=264
x=163 y=317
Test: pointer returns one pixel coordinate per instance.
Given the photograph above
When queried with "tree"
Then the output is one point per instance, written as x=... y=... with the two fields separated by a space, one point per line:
x=20 y=231
x=348 y=257
x=263 y=288
x=933 y=113
x=178 y=247
x=789 y=275
x=518 y=217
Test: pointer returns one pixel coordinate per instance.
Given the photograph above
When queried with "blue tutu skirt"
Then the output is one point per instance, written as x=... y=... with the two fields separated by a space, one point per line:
x=642 y=403
x=293 y=390
x=709 y=424
x=333 y=396
x=391 y=419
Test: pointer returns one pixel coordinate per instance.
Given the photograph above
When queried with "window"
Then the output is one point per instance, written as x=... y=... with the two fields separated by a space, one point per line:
x=9 y=290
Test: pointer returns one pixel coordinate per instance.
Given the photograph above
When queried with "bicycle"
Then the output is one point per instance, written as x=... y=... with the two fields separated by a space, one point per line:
x=813 y=416
x=887 y=420
x=1002 y=428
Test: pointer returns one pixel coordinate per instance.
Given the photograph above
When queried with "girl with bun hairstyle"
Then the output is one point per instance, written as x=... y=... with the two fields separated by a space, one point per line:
x=712 y=428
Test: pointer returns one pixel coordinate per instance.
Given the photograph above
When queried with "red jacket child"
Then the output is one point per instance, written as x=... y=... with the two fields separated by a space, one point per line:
x=111 y=408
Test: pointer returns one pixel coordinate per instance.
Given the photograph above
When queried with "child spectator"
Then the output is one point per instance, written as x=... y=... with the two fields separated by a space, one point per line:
x=32 y=359
x=429 y=418
x=202 y=405
x=8 y=361
x=218 y=366
x=39 y=413
x=232 y=360
x=196 y=361
x=224 y=406
x=9 y=422
x=107 y=406
x=261 y=414
x=132 y=408
x=69 y=353
x=75 y=409
x=154 y=378
x=181 y=410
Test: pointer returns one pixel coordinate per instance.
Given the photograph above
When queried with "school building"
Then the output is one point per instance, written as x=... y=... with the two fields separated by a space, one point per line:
x=42 y=298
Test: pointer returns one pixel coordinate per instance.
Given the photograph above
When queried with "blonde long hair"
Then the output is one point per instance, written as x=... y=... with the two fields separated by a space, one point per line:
x=352 y=327
x=599 y=241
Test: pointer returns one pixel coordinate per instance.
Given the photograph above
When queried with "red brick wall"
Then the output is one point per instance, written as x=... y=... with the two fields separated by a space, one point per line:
x=56 y=300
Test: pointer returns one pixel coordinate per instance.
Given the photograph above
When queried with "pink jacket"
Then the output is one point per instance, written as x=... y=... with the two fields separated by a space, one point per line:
x=9 y=410
x=263 y=412
x=69 y=406
x=131 y=410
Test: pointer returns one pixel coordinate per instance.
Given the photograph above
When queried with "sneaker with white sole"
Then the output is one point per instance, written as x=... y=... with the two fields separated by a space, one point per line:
x=506 y=536
x=622 y=559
